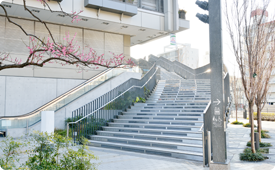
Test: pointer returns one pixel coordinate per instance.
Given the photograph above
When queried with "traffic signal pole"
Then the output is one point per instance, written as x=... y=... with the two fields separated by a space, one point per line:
x=214 y=121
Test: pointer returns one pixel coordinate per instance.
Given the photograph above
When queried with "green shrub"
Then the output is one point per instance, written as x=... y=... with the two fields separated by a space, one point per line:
x=139 y=100
x=247 y=155
x=262 y=144
x=237 y=123
x=79 y=159
x=49 y=151
x=10 y=152
x=248 y=125
x=61 y=132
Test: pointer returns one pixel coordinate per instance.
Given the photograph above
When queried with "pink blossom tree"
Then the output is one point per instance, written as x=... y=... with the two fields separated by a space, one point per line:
x=48 y=50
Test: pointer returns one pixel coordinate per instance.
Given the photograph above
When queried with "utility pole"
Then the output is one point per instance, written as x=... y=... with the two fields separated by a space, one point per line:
x=214 y=121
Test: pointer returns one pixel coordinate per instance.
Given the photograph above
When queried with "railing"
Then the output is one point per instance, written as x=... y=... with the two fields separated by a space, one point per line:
x=29 y=119
x=92 y=116
x=181 y=69
x=205 y=136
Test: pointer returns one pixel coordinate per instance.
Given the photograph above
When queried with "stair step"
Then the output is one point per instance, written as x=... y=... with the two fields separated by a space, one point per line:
x=143 y=117
x=156 y=126
x=172 y=104
x=189 y=140
x=159 y=122
x=169 y=107
x=154 y=131
x=164 y=110
x=165 y=114
x=149 y=150
x=149 y=143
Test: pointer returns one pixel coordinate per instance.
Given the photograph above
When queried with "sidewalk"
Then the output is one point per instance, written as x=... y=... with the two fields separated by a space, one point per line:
x=238 y=137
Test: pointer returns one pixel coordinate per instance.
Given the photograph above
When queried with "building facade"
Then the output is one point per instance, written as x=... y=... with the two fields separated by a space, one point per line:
x=105 y=25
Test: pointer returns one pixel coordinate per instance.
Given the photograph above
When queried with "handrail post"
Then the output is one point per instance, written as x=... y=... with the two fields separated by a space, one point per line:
x=27 y=128
x=209 y=147
x=203 y=151
x=68 y=130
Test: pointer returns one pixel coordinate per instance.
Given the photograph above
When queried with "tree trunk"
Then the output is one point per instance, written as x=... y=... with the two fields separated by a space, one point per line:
x=252 y=126
x=236 y=114
x=259 y=121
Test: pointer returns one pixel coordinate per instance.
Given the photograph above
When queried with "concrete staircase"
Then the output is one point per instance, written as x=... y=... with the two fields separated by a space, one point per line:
x=167 y=124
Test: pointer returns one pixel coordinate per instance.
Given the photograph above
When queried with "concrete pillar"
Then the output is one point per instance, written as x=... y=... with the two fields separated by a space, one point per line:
x=126 y=46
x=217 y=87
x=47 y=121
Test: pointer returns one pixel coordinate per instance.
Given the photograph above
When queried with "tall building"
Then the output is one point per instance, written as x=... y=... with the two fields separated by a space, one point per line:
x=105 y=25
x=184 y=54
x=204 y=60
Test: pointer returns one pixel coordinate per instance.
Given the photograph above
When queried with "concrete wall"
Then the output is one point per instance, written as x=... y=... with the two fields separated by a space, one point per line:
x=20 y=95
x=66 y=112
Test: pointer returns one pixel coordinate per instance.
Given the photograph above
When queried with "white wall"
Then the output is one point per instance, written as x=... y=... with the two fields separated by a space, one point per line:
x=20 y=95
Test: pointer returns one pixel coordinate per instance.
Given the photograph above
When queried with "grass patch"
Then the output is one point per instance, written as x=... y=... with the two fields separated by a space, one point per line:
x=248 y=125
x=262 y=144
x=263 y=133
x=265 y=116
x=237 y=123
x=60 y=132
x=264 y=150
x=247 y=155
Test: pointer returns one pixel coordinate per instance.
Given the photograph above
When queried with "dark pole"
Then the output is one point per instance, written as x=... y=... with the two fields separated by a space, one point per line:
x=217 y=83
x=214 y=120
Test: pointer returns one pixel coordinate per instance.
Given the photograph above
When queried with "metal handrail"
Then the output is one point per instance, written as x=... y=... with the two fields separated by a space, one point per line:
x=202 y=131
x=134 y=86
x=209 y=147
x=207 y=107
x=177 y=64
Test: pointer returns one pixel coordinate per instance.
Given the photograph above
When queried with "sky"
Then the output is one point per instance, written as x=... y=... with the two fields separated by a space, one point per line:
x=197 y=36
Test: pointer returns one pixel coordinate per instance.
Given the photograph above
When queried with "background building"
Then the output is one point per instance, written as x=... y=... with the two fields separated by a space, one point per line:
x=204 y=60
x=184 y=54
x=256 y=15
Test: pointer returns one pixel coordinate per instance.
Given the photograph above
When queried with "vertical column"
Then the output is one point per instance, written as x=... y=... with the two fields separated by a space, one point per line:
x=217 y=86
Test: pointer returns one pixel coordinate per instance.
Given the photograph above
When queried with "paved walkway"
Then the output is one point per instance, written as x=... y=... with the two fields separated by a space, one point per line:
x=237 y=134
x=238 y=137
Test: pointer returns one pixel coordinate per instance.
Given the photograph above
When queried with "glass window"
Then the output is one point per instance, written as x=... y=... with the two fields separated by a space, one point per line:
x=152 y=5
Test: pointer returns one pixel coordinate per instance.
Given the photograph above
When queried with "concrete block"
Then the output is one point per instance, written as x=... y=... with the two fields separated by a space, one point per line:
x=150 y=21
x=220 y=166
x=47 y=121
x=16 y=132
